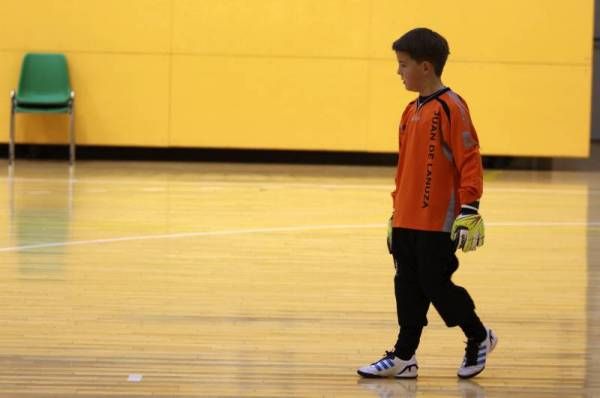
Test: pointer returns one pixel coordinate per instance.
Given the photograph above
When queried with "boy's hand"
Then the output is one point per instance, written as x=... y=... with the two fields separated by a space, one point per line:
x=468 y=228
x=389 y=234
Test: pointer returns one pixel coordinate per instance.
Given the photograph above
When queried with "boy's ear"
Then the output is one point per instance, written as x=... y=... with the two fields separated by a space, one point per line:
x=427 y=66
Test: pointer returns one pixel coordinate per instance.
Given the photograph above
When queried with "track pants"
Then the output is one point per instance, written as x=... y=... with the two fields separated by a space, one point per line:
x=425 y=262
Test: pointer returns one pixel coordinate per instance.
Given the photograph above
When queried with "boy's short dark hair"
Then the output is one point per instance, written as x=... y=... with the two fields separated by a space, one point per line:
x=424 y=44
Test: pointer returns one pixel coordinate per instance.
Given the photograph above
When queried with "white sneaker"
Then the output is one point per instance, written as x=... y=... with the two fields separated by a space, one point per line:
x=475 y=355
x=391 y=366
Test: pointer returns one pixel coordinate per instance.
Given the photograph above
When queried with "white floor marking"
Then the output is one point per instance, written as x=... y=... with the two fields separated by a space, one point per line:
x=135 y=378
x=303 y=228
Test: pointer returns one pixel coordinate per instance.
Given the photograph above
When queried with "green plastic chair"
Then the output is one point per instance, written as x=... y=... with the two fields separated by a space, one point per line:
x=43 y=88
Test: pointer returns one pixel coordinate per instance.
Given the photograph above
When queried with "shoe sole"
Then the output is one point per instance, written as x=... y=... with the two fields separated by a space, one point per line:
x=369 y=375
x=372 y=376
x=405 y=377
x=471 y=375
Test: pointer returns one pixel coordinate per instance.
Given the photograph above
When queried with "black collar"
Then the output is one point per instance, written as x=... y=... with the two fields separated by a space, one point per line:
x=423 y=100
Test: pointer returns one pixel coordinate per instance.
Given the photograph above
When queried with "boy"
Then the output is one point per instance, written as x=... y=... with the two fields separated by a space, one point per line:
x=439 y=180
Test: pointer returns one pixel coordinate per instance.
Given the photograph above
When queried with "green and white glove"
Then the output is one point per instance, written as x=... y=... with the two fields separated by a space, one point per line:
x=468 y=228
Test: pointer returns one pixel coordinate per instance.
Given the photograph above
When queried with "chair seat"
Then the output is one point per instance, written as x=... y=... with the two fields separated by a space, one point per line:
x=41 y=109
x=42 y=98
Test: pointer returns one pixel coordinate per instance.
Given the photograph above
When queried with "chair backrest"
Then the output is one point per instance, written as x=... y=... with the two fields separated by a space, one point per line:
x=44 y=80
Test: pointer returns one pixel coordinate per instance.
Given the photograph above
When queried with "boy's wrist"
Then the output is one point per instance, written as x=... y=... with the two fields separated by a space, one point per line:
x=470 y=208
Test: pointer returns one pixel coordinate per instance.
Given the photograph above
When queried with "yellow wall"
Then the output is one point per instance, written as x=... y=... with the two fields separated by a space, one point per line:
x=301 y=74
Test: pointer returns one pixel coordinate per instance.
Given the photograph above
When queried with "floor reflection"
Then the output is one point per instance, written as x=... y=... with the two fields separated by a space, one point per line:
x=40 y=213
x=398 y=388
x=593 y=286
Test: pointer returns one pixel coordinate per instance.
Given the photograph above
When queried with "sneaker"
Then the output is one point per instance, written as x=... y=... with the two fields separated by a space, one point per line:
x=475 y=355
x=391 y=366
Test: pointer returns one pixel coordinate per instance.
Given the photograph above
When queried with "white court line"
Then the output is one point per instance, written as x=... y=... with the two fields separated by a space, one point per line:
x=275 y=230
x=544 y=224
x=192 y=234
x=567 y=191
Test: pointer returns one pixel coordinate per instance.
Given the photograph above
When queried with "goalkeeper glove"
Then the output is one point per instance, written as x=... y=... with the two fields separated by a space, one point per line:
x=468 y=228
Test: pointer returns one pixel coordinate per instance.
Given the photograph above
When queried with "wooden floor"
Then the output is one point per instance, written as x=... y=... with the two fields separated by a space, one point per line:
x=274 y=281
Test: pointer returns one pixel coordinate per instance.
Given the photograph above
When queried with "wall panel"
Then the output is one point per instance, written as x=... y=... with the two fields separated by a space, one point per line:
x=270 y=103
x=507 y=31
x=302 y=74
x=136 y=26
x=301 y=28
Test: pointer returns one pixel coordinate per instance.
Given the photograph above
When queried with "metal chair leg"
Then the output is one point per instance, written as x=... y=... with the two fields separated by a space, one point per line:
x=72 y=134
x=11 y=140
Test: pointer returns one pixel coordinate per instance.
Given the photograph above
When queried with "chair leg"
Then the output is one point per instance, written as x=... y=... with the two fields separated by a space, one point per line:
x=72 y=135
x=11 y=141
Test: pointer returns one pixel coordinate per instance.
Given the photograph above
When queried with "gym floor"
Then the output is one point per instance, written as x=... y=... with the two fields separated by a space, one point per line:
x=169 y=279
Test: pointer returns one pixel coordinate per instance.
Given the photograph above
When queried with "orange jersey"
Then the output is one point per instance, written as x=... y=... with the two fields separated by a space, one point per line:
x=439 y=164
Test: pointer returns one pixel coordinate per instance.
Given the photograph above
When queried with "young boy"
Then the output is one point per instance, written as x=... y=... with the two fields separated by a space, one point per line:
x=439 y=180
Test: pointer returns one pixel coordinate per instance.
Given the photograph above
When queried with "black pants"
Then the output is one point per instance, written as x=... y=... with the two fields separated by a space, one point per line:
x=425 y=262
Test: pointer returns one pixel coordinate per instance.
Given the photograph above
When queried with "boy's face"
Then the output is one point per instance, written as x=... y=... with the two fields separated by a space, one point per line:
x=413 y=73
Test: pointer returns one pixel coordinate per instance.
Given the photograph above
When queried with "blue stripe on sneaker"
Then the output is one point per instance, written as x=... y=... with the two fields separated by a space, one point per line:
x=384 y=364
x=378 y=367
x=390 y=363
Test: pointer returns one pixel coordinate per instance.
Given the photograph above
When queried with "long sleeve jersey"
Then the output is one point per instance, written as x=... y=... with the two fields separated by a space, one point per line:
x=439 y=164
